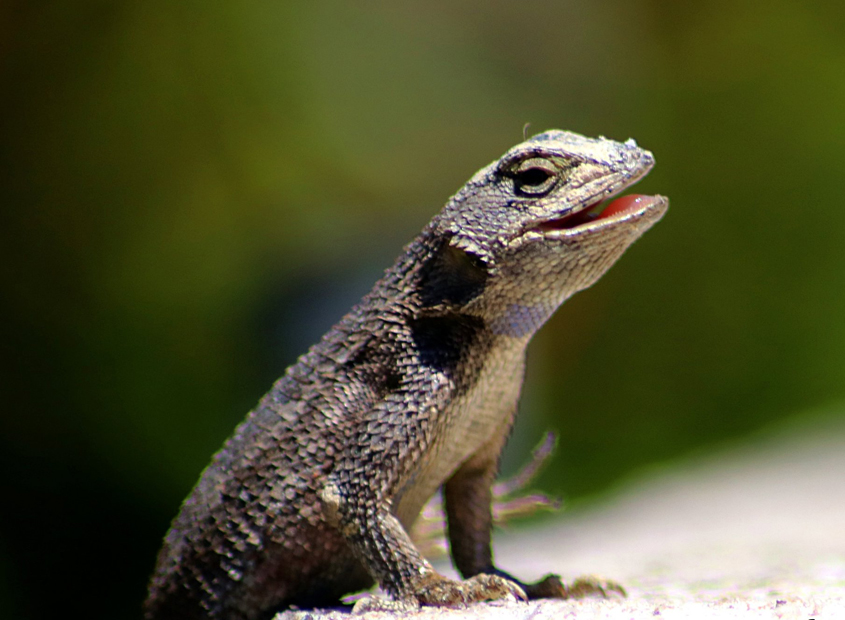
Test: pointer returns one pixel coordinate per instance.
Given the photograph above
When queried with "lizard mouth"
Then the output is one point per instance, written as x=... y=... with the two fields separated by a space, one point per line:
x=600 y=213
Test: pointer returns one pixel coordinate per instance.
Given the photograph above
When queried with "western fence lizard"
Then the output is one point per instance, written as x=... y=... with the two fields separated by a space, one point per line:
x=417 y=387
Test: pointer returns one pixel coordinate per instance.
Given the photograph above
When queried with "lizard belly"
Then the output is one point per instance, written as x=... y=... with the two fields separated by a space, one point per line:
x=473 y=419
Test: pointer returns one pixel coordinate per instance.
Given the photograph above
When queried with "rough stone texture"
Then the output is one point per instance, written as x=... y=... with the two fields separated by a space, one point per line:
x=747 y=532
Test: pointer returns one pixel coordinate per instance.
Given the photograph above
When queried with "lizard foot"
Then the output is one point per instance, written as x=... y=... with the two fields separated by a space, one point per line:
x=439 y=591
x=551 y=586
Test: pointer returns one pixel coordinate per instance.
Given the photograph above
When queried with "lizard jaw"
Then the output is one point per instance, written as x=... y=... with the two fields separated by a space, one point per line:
x=599 y=215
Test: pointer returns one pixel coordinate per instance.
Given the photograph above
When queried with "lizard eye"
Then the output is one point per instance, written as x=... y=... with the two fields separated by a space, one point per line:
x=534 y=177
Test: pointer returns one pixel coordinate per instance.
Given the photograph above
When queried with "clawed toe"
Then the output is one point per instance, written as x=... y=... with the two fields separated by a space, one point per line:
x=551 y=586
x=439 y=591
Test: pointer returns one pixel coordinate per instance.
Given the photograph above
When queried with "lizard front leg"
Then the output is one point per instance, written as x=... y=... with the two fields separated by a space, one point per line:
x=468 y=499
x=358 y=501
x=384 y=547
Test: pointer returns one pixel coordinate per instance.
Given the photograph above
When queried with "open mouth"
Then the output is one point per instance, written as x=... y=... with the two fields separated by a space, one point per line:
x=616 y=209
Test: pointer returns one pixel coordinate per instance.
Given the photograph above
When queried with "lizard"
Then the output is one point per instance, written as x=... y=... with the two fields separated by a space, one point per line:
x=415 y=389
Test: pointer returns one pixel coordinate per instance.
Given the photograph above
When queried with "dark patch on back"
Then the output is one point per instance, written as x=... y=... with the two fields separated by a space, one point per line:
x=375 y=366
x=454 y=344
x=452 y=277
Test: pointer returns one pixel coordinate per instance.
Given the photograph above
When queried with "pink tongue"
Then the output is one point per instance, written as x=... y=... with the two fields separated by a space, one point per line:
x=626 y=203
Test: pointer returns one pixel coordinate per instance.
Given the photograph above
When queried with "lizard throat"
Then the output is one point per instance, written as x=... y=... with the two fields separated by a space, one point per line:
x=621 y=207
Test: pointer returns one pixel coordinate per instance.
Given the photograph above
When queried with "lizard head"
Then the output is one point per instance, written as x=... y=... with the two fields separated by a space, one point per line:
x=544 y=222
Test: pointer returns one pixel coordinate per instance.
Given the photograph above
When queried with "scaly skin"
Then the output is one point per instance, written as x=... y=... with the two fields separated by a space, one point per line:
x=417 y=387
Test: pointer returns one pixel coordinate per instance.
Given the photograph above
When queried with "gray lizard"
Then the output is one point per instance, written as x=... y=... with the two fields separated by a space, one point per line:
x=416 y=388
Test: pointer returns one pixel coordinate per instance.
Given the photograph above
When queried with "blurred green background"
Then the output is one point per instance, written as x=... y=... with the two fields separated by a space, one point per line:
x=191 y=193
